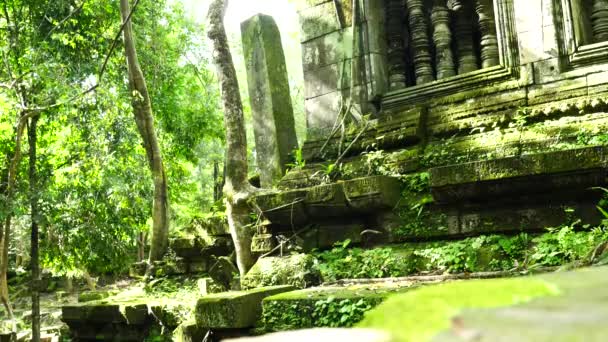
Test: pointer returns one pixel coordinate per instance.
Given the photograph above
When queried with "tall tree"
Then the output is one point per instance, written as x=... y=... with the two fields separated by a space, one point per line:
x=35 y=262
x=142 y=110
x=237 y=188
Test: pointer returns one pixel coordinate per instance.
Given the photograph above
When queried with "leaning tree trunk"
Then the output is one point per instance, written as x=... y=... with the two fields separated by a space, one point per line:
x=142 y=111
x=5 y=235
x=237 y=188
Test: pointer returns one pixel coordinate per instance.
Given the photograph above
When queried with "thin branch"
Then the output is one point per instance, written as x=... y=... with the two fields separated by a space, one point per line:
x=64 y=20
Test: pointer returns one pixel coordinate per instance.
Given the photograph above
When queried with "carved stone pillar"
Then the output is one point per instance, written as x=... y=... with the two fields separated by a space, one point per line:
x=463 y=32
x=442 y=37
x=599 y=20
x=421 y=48
x=396 y=53
x=487 y=27
x=454 y=5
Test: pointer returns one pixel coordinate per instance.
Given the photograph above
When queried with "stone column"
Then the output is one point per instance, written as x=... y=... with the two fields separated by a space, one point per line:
x=487 y=27
x=599 y=20
x=273 y=122
x=420 y=41
x=467 y=58
x=442 y=37
x=396 y=47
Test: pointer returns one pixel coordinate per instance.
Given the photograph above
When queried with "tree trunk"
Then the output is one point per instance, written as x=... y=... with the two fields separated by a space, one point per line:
x=34 y=234
x=5 y=235
x=141 y=246
x=237 y=188
x=142 y=111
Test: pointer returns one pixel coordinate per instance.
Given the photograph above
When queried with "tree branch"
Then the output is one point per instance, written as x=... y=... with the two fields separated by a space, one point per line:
x=64 y=20
x=99 y=76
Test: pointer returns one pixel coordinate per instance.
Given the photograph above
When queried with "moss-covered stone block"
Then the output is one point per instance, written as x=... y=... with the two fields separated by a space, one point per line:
x=93 y=312
x=262 y=243
x=299 y=270
x=216 y=225
x=170 y=314
x=222 y=271
x=189 y=332
x=187 y=247
x=136 y=314
x=208 y=285
x=138 y=269
x=286 y=207
x=326 y=201
x=234 y=310
x=89 y=296
x=168 y=267
x=372 y=193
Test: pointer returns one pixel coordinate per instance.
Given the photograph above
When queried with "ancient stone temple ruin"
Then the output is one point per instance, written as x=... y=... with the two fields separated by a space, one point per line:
x=437 y=118
x=427 y=120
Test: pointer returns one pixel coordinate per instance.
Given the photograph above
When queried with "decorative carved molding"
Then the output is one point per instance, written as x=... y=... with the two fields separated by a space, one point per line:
x=420 y=42
x=442 y=37
x=487 y=27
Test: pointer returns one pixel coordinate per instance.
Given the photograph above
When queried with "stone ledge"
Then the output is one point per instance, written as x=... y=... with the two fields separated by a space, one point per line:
x=361 y=196
x=445 y=87
x=580 y=168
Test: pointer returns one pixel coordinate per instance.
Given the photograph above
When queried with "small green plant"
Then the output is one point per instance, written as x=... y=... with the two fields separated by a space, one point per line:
x=332 y=312
x=278 y=316
x=566 y=244
x=521 y=117
x=453 y=257
x=342 y=262
x=298 y=159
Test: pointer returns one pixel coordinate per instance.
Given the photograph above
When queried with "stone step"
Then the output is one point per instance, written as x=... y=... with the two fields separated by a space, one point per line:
x=234 y=310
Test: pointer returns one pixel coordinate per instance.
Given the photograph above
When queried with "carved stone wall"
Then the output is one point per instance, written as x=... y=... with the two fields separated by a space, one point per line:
x=510 y=116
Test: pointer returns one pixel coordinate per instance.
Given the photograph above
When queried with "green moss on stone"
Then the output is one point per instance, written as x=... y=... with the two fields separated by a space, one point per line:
x=299 y=270
x=422 y=313
x=239 y=309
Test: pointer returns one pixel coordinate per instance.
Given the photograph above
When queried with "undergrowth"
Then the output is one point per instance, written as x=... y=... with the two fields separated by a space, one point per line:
x=558 y=246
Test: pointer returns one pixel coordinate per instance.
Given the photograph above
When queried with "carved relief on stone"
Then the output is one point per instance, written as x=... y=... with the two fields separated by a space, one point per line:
x=487 y=27
x=463 y=32
x=395 y=24
x=421 y=48
x=599 y=20
x=442 y=37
